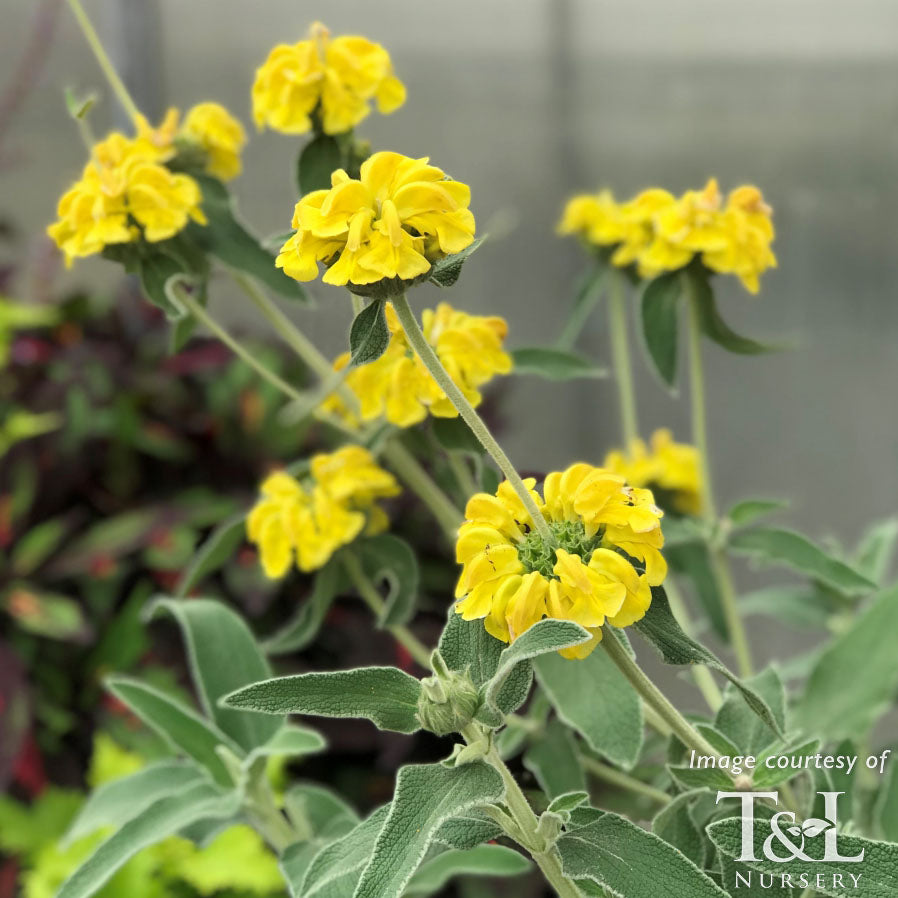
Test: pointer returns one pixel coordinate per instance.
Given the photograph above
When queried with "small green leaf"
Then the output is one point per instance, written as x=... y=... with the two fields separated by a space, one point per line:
x=712 y=324
x=391 y=559
x=554 y=364
x=116 y=802
x=879 y=868
x=335 y=870
x=369 y=335
x=877 y=549
x=179 y=725
x=772 y=545
x=155 y=271
x=660 y=627
x=426 y=796
x=214 y=554
x=484 y=860
x=160 y=820
x=228 y=239
x=445 y=272
x=700 y=777
x=35 y=546
x=675 y=825
x=466 y=646
x=739 y=722
x=767 y=777
x=45 y=614
x=660 y=307
x=329 y=582
x=609 y=718
x=855 y=679
x=327 y=813
x=386 y=696
x=545 y=636
x=589 y=292
x=464 y=831
x=318 y=160
x=291 y=742
x=750 y=510
x=552 y=759
x=567 y=801
x=223 y=656
x=627 y=860
x=454 y=435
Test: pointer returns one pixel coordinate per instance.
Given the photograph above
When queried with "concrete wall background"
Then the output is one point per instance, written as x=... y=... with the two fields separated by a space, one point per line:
x=531 y=100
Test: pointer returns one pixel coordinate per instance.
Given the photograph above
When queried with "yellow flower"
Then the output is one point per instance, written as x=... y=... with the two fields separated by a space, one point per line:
x=399 y=387
x=220 y=136
x=324 y=83
x=399 y=217
x=305 y=523
x=749 y=229
x=659 y=232
x=602 y=529
x=670 y=469
x=124 y=195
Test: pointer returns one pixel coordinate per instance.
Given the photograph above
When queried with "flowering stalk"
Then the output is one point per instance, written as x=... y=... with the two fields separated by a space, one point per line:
x=719 y=563
x=654 y=698
x=525 y=828
x=96 y=46
x=609 y=774
x=403 y=462
x=433 y=364
x=620 y=354
x=372 y=599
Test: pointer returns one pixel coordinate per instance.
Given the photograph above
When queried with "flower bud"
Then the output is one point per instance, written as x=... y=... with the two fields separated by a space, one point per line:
x=447 y=704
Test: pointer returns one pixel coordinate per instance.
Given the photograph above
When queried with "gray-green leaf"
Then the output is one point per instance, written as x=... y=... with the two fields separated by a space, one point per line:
x=554 y=364
x=484 y=860
x=386 y=696
x=659 y=307
x=426 y=795
x=369 y=335
x=388 y=558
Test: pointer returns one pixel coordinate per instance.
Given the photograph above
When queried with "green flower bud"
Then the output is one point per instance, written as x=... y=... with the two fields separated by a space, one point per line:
x=447 y=704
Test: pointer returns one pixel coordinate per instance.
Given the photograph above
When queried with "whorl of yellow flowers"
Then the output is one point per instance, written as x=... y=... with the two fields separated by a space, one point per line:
x=324 y=82
x=669 y=468
x=399 y=387
x=394 y=221
x=660 y=232
x=306 y=522
x=606 y=556
x=127 y=193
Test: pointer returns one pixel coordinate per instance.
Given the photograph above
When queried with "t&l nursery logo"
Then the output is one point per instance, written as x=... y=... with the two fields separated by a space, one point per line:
x=814 y=840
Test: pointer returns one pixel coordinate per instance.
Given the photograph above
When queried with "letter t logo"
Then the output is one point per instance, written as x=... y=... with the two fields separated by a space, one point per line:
x=748 y=818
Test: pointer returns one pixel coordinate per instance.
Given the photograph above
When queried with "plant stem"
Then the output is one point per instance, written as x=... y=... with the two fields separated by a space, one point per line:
x=179 y=295
x=409 y=469
x=623 y=780
x=462 y=473
x=433 y=364
x=620 y=355
x=719 y=562
x=526 y=822
x=700 y=673
x=96 y=46
x=654 y=698
x=371 y=597
x=291 y=334
x=267 y=817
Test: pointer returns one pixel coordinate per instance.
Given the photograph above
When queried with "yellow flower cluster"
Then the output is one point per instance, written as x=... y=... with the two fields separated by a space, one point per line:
x=306 y=522
x=126 y=193
x=399 y=217
x=512 y=577
x=399 y=387
x=325 y=83
x=660 y=232
x=669 y=468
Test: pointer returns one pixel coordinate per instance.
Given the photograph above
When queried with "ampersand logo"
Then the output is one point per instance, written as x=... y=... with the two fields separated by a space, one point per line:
x=790 y=839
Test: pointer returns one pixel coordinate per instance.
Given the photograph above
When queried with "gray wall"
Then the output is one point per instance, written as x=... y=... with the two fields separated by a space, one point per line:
x=531 y=100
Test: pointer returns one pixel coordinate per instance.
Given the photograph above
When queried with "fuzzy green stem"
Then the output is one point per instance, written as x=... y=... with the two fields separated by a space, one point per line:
x=526 y=823
x=700 y=673
x=99 y=51
x=181 y=296
x=265 y=814
x=433 y=364
x=620 y=356
x=719 y=562
x=654 y=698
x=462 y=473
x=622 y=780
x=371 y=597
